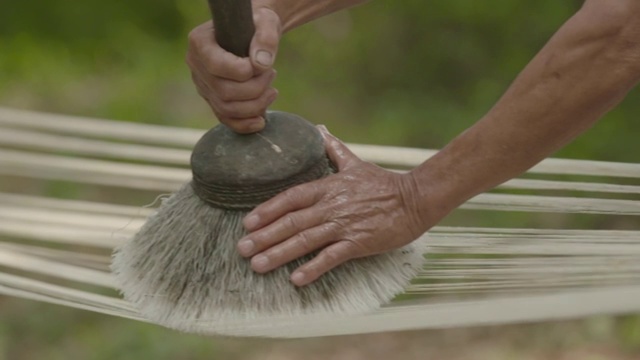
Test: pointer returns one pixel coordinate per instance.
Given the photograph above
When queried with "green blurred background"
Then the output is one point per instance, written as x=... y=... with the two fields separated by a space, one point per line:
x=408 y=73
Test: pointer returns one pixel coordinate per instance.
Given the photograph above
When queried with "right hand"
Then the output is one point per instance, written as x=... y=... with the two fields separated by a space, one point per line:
x=238 y=90
x=360 y=211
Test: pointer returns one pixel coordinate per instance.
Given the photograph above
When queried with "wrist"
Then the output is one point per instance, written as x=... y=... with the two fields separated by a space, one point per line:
x=425 y=205
x=438 y=187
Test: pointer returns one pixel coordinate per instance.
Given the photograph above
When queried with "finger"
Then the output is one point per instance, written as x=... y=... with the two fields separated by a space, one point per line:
x=240 y=126
x=326 y=260
x=297 y=246
x=203 y=89
x=338 y=152
x=280 y=230
x=290 y=200
x=204 y=49
x=249 y=108
x=229 y=90
x=244 y=126
x=264 y=45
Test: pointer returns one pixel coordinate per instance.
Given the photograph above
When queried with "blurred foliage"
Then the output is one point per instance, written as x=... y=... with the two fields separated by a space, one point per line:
x=410 y=73
x=413 y=73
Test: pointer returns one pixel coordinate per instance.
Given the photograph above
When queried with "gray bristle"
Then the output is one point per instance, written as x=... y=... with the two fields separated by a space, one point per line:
x=182 y=270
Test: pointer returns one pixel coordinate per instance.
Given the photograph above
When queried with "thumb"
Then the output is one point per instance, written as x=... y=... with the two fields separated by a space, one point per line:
x=264 y=45
x=337 y=151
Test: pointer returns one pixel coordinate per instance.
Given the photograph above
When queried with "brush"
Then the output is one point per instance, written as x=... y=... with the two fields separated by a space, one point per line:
x=182 y=270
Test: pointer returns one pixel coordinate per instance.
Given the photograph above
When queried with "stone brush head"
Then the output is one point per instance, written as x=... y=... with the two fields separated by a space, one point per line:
x=182 y=269
x=236 y=171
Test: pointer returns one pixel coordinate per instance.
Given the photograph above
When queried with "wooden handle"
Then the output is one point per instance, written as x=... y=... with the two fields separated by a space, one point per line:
x=233 y=24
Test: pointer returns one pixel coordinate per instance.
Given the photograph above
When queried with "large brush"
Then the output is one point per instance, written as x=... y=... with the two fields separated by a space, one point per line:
x=182 y=269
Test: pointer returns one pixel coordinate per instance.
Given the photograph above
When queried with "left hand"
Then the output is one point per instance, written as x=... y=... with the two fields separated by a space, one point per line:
x=237 y=89
x=360 y=211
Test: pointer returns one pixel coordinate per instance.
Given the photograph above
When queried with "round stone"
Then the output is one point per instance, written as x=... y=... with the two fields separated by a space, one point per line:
x=224 y=162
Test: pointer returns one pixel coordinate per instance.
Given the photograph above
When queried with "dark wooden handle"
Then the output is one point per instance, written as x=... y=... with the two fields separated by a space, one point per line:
x=233 y=24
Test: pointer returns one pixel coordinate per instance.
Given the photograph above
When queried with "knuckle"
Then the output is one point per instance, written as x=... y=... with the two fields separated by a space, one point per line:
x=224 y=109
x=352 y=248
x=268 y=37
x=224 y=96
x=244 y=72
x=221 y=118
x=193 y=38
x=234 y=111
x=332 y=255
x=259 y=87
x=293 y=195
x=237 y=128
x=305 y=242
x=203 y=93
x=332 y=229
x=257 y=111
x=200 y=34
x=337 y=220
x=225 y=92
x=215 y=83
x=261 y=109
x=252 y=93
x=291 y=221
x=266 y=98
x=239 y=69
x=231 y=109
x=267 y=18
x=212 y=64
x=267 y=78
x=213 y=102
x=217 y=66
x=188 y=59
x=316 y=189
x=259 y=16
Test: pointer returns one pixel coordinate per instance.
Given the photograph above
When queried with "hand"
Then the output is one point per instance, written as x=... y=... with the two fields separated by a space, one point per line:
x=362 y=210
x=238 y=90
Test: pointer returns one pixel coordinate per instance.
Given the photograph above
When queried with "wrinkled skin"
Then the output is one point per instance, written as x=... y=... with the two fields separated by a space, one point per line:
x=354 y=213
x=585 y=70
x=360 y=211
x=238 y=90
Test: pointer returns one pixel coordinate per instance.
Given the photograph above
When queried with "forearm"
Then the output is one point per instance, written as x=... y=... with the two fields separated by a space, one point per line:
x=586 y=69
x=294 y=13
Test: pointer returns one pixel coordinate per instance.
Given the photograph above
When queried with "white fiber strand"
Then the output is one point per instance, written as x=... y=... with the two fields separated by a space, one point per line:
x=57 y=250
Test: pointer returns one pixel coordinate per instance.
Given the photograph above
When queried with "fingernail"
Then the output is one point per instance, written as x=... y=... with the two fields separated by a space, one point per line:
x=297 y=278
x=245 y=247
x=264 y=58
x=260 y=262
x=251 y=221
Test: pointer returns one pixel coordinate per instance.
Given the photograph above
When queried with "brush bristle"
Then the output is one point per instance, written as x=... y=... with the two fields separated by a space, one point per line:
x=182 y=271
